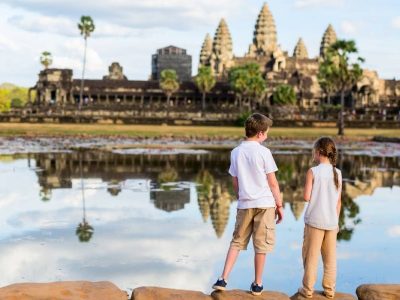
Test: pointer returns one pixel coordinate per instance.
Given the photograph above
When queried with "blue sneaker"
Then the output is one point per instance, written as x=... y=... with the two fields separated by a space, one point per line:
x=255 y=289
x=220 y=284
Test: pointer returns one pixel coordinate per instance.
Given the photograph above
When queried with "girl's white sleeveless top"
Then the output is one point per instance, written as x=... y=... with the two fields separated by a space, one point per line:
x=321 y=210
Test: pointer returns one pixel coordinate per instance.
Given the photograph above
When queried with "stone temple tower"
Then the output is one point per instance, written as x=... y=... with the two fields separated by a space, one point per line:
x=328 y=39
x=206 y=50
x=300 y=51
x=221 y=56
x=265 y=37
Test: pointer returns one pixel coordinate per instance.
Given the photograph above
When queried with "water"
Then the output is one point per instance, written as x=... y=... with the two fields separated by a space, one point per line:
x=166 y=220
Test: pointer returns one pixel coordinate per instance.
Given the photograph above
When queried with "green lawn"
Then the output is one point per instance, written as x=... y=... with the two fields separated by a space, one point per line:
x=26 y=129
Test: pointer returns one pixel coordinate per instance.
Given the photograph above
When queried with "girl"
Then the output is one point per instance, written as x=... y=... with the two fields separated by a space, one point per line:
x=323 y=192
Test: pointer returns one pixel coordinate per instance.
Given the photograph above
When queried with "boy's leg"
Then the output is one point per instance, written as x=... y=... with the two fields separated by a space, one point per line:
x=311 y=250
x=229 y=262
x=328 y=251
x=259 y=262
x=241 y=237
x=263 y=239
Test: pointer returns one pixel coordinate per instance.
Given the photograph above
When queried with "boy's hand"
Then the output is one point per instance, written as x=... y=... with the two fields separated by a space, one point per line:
x=279 y=214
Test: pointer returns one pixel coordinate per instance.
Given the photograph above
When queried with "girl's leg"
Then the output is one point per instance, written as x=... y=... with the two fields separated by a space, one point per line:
x=329 y=259
x=313 y=238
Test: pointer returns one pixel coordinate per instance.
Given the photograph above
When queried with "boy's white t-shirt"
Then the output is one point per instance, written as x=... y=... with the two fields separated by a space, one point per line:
x=250 y=163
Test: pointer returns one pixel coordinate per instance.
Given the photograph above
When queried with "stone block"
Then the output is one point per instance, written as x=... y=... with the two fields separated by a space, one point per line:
x=156 y=293
x=319 y=295
x=246 y=295
x=378 y=292
x=77 y=290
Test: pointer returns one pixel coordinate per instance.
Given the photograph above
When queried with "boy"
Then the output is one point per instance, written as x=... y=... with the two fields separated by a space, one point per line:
x=253 y=174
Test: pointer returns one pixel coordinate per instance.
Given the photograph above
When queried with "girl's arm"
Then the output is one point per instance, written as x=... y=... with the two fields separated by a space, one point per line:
x=308 y=185
x=339 y=204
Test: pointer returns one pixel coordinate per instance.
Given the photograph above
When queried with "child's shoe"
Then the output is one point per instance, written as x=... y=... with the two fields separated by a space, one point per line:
x=220 y=284
x=302 y=292
x=255 y=289
x=329 y=295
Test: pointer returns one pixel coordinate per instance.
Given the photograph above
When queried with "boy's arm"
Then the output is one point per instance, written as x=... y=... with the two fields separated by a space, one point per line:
x=308 y=185
x=274 y=186
x=235 y=184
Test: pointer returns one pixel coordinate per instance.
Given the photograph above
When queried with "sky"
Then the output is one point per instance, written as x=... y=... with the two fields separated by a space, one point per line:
x=130 y=31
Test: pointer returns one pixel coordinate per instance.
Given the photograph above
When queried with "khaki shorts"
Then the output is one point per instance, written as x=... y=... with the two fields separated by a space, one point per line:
x=258 y=223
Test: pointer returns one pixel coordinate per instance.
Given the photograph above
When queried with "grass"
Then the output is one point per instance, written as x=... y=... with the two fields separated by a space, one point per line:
x=92 y=130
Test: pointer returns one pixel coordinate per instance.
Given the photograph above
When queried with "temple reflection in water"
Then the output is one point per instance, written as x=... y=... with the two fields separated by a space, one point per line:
x=168 y=178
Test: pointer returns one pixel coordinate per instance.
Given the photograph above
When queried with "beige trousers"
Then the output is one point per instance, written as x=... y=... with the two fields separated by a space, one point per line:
x=318 y=241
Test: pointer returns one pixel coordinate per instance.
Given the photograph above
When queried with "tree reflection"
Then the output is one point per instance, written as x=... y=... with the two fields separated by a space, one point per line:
x=84 y=231
x=348 y=218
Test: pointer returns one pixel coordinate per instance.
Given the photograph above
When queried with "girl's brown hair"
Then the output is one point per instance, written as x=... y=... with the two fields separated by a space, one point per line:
x=326 y=146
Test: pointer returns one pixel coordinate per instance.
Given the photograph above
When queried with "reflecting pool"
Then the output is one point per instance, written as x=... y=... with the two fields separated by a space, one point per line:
x=166 y=219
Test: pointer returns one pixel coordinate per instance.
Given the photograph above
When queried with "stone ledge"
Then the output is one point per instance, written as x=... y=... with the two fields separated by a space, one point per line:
x=319 y=295
x=378 y=292
x=67 y=290
x=156 y=293
x=245 y=295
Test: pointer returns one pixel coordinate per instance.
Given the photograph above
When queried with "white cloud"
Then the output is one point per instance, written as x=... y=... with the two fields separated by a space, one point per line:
x=173 y=14
x=308 y=3
x=35 y=23
x=349 y=27
x=396 y=22
x=7 y=44
x=394 y=231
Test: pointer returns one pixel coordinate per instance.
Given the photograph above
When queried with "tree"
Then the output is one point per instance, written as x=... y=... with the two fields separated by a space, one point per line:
x=247 y=82
x=4 y=100
x=343 y=73
x=46 y=59
x=325 y=78
x=86 y=26
x=204 y=81
x=84 y=231
x=284 y=95
x=169 y=83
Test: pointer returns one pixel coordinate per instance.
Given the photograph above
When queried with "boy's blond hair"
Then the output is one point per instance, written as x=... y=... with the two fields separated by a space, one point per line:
x=256 y=123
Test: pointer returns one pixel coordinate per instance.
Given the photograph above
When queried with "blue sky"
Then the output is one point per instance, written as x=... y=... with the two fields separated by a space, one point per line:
x=130 y=31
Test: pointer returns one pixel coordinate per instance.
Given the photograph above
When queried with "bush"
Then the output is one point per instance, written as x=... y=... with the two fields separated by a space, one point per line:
x=242 y=118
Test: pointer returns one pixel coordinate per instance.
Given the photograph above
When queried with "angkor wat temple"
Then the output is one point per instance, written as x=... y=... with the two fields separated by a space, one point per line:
x=57 y=86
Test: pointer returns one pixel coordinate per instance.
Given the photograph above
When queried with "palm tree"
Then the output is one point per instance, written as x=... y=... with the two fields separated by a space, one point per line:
x=325 y=78
x=46 y=59
x=344 y=73
x=169 y=84
x=205 y=81
x=86 y=26
x=284 y=95
x=247 y=82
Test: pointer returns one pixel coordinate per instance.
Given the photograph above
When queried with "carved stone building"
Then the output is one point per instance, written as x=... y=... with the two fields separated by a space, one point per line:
x=298 y=70
x=278 y=67
x=172 y=57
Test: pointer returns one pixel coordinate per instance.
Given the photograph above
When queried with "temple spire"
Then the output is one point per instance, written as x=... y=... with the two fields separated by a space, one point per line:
x=265 y=37
x=328 y=39
x=206 y=50
x=221 y=57
x=300 y=51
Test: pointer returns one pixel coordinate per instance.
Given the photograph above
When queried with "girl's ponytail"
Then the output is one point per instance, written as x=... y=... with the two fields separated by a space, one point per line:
x=326 y=147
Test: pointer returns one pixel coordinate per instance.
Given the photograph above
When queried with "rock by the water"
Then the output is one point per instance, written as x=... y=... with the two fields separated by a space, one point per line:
x=67 y=290
x=156 y=293
x=378 y=292
x=318 y=295
x=245 y=295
